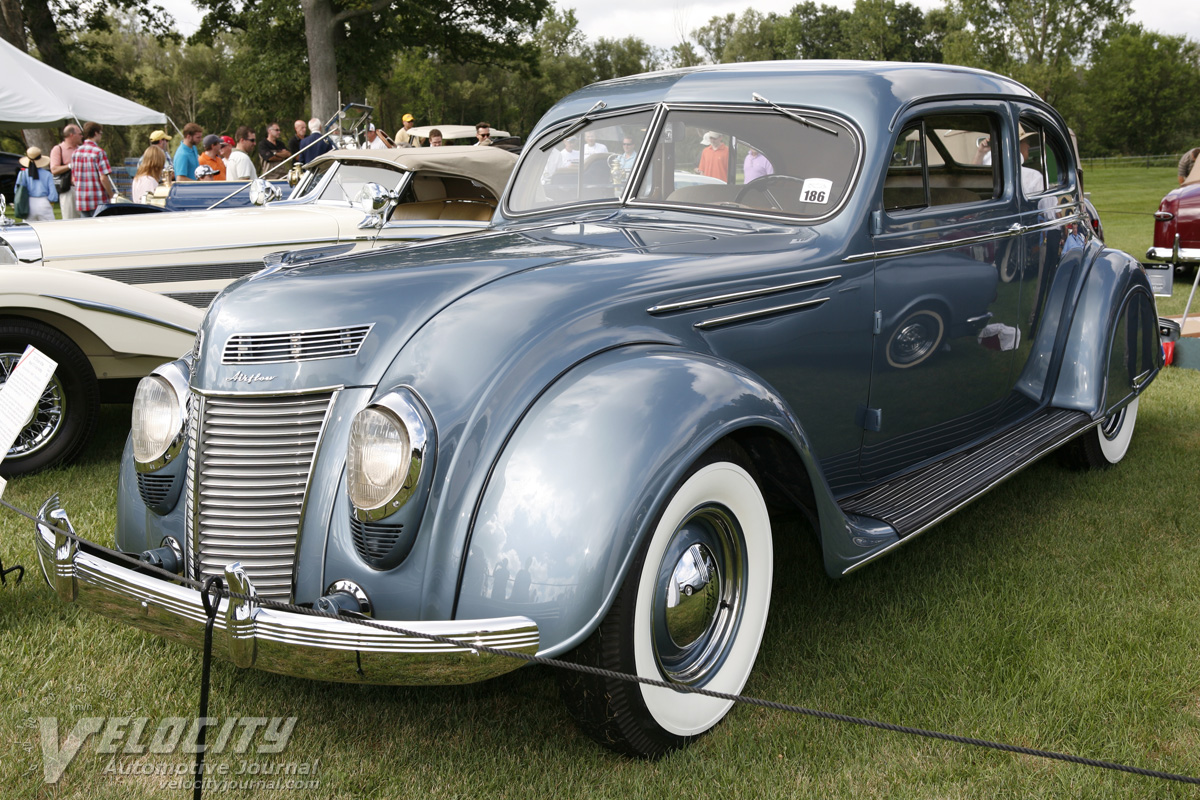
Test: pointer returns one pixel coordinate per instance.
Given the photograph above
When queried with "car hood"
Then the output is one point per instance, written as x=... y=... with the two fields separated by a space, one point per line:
x=396 y=291
x=191 y=236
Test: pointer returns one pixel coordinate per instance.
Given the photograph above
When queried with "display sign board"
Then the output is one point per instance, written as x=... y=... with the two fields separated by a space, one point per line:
x=19 y=396
x=1162 y=278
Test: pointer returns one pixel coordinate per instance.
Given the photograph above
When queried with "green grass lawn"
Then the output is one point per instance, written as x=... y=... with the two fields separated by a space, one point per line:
x=1059 y=612
x=1127 y=198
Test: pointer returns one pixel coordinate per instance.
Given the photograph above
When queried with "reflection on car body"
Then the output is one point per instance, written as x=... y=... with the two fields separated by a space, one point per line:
x=563 y=432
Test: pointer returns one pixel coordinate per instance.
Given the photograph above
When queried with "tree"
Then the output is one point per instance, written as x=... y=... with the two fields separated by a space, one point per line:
x=812 y=31
x=1140 y=92
x=357 y=38
x=1038 y=43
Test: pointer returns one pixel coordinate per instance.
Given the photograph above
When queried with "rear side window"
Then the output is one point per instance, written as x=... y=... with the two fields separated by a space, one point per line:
x=1043 y=159
x=943 y=160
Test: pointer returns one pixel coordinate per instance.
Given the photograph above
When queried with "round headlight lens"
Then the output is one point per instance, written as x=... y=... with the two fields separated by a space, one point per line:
x=157 y=419
x=378 y=460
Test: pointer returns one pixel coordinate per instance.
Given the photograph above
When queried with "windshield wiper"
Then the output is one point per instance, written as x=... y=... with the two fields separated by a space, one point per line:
x=802 y=120
x=576 y=126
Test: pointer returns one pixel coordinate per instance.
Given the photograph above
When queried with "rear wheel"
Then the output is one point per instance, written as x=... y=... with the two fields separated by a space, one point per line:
x=65 y=416
x=1107 y=443
x=691 y=611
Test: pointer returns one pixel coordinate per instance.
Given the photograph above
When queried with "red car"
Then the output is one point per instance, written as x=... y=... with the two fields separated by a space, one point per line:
x=1177 y=226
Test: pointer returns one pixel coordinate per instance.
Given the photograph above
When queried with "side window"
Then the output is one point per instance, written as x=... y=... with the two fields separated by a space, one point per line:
x=943 y=160
x=1043 y=158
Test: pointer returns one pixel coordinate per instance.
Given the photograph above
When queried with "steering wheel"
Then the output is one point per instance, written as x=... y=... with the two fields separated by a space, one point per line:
x=768 y=185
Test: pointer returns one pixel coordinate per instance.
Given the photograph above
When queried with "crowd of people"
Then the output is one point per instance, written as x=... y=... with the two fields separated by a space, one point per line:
x=78 y=177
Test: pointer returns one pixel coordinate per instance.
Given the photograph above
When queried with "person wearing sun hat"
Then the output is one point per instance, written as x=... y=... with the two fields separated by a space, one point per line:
x=39 y=184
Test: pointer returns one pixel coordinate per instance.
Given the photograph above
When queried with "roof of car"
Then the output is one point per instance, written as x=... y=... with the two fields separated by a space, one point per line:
x=862 y=89
x=490 y=166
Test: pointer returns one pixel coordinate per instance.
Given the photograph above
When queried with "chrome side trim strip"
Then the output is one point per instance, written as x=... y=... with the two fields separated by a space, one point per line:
x=765 y=312
x=276 y=245
x=733 y=297
x=1015 y=230
x=105 y=308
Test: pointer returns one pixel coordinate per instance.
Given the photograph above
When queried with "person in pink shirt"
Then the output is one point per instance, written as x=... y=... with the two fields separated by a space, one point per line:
x=60 y=168
x=756 y=166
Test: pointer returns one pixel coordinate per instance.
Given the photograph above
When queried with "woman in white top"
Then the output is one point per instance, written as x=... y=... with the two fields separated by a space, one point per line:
x=149 y=173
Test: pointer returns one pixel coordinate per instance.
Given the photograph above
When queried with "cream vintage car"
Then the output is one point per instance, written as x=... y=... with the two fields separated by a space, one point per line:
x=110 y=299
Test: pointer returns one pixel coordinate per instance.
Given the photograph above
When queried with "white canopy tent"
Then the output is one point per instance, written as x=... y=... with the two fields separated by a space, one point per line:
x=34 y=95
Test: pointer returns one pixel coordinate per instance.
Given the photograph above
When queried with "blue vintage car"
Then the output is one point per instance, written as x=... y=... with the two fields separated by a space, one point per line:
x=562 y=434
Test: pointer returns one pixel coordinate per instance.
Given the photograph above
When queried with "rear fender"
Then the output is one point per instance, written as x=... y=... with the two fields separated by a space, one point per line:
x=579 y=482
x=1112 y=351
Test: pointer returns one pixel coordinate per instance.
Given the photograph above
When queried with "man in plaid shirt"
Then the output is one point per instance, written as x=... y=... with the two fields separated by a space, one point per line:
x=90 y=172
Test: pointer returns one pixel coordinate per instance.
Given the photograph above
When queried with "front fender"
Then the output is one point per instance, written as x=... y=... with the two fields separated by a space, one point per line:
x=579 y=482
x=101 y=314
x=1112 y=351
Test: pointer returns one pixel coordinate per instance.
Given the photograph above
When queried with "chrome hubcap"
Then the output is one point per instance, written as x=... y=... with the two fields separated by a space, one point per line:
x=1112 y=426
x=698 y=597
x=47 y=417
x=913 y=342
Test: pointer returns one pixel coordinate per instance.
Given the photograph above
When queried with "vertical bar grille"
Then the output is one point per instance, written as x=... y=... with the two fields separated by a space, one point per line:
x=248 y=474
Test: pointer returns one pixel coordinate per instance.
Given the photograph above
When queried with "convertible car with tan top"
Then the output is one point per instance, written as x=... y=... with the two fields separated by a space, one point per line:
x=111 y=298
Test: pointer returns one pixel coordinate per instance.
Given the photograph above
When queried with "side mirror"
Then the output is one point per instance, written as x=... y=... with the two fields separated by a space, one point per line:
x=263 y=192
x=373 y=200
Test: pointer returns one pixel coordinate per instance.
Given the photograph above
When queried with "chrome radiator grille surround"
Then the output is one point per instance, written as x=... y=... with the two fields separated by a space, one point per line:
x=249 y=463
x=288 y=346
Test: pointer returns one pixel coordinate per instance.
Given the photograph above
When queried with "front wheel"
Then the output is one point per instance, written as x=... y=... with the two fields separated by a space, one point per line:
x=65 y=415
x=691 y=611
x=1105 y=444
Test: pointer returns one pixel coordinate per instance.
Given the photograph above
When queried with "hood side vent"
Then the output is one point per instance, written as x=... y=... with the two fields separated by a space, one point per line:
x=289 y=346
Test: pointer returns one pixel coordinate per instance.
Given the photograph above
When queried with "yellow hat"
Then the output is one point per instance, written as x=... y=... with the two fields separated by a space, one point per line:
x=407 y=118
x=158 y=136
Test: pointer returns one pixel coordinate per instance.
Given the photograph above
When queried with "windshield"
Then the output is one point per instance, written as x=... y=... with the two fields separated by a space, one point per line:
x=591 y=165
x=755 y=160
x=759 y=161
x=349 y=178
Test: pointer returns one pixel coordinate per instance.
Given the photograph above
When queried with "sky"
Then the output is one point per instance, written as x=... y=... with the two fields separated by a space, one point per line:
x=667 y=23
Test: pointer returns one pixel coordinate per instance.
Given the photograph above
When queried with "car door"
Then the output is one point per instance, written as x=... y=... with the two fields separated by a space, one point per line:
x=1050 y=211
x=947 y=323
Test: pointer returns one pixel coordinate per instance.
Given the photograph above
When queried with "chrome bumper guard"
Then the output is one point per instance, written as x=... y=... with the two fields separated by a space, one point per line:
x=1176 y=254
x=289 y=643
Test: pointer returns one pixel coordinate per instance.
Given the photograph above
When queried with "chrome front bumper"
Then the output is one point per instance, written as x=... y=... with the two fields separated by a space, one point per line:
x=290 y=643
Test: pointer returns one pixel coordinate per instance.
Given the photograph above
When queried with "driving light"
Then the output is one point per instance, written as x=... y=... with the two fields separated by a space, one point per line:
x=157 y=421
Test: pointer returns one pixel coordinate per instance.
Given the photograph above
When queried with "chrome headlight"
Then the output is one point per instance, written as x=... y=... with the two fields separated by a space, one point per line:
x=385 y=456
x=159 y=414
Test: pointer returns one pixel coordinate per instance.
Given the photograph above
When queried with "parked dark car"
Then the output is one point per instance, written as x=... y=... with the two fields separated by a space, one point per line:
x=193 y=196
x=10 y=164
x=562 y=434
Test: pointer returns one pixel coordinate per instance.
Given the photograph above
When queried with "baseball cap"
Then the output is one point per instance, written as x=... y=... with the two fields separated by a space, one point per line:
x=370 y=126
x=158 y=136
x=210 y=140
x=407 y=118
x=228 y=140
x=204 y=170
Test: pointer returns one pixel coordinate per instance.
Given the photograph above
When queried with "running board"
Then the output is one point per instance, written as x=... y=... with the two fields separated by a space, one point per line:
x=917 y=500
